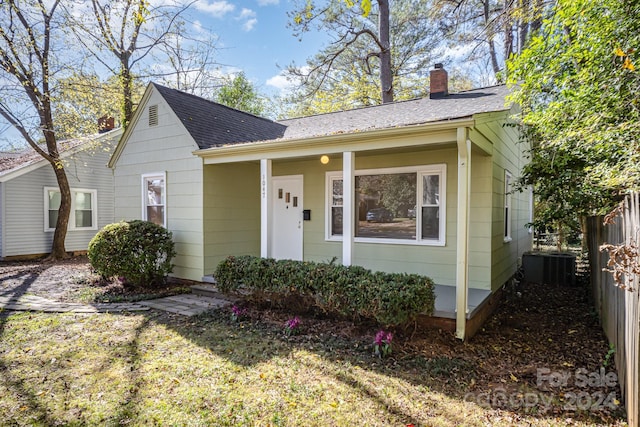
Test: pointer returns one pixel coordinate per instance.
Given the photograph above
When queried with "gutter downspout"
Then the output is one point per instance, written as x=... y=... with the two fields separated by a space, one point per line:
x=462 y=255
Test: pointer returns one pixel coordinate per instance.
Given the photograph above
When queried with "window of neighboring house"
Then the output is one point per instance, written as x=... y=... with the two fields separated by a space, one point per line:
x=83 y=215
x=395 y=205
x=154 y=199
x=508 y=212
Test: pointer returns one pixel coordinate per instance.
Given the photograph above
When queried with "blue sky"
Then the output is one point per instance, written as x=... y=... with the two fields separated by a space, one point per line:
x=253 y=37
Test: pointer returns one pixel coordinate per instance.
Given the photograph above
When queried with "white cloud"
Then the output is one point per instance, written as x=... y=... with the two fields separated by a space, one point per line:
x=280 y=82
x=247 y=13
x=267 y=2
x=249 y=18
x=217 y=9
x=248 y=26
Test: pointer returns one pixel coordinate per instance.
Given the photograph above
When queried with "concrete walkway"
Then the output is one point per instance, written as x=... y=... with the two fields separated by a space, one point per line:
x=186 y=305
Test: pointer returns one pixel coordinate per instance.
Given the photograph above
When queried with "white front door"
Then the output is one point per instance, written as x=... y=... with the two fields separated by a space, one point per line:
x=286 y=236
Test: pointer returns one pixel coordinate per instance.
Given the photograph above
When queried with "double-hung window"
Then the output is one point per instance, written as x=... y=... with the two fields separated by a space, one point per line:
x=84 y=212
x=395 y=205
x=154 y=198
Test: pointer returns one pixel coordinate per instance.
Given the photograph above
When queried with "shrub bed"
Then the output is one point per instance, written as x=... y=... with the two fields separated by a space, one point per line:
x=138 y=251
x=391 y=299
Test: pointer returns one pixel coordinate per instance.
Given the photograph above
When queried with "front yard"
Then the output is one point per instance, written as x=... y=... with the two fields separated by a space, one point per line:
x=539 y=361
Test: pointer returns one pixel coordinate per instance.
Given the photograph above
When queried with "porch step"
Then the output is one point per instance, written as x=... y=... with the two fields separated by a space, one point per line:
x=211 y=291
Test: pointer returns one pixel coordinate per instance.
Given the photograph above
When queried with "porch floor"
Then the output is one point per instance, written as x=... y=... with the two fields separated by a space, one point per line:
x=445 y=306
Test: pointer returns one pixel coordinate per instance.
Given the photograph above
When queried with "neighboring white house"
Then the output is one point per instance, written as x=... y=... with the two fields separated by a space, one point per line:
x=29 y=196
x=421 y=186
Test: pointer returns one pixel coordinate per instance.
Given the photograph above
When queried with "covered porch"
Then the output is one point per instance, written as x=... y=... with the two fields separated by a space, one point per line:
x=448 y=254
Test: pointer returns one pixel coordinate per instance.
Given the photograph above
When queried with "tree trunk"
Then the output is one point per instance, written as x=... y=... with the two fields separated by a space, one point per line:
x=524 y=22
x=386 y=77
x=492 y=46
x=58 y=250
x=127 y=93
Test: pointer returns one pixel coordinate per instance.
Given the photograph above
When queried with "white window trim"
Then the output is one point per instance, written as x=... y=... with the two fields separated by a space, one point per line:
x=435 y=169
x=72 y=213
x=144 y=194
x=508 y=206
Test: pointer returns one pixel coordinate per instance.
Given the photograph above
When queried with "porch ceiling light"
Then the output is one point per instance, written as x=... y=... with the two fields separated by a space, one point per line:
x=324 y=159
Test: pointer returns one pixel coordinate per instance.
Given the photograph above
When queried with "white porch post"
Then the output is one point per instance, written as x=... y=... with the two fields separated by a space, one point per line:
x=462 y=256
x=265 y=207
x=348 y=207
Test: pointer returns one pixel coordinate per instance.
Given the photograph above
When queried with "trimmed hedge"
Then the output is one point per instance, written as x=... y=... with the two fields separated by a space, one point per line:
x=139 y=251
x=391 y=299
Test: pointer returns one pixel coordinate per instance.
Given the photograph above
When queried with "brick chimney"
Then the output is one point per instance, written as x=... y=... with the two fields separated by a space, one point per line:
x=105 y=124
x=438 y=82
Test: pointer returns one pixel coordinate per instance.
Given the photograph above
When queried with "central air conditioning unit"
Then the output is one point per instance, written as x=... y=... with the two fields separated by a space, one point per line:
x=551 y=268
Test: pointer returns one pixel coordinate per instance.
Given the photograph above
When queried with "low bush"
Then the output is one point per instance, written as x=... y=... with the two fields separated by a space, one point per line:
x=138 y=251
x=391 y=299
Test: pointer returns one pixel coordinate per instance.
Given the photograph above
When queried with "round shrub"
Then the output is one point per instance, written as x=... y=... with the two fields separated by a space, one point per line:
x=139 y=251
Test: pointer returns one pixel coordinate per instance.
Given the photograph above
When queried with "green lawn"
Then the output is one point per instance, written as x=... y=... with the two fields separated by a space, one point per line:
x=157 y=369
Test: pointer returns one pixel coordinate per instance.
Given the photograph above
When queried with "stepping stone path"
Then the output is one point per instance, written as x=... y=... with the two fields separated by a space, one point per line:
x=186 y=304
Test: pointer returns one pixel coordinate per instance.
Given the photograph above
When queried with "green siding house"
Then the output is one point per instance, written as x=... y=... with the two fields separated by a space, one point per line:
x=419 y=186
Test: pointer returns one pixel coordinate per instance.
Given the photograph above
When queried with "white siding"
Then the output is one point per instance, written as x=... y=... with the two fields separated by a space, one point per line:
x=23 y=223
x=165 y=147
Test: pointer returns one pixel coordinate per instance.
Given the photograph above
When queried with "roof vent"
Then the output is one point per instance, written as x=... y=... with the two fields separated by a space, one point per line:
x=153 y=115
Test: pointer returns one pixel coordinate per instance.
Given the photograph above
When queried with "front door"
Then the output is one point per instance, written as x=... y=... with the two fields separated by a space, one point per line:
x=286 y=237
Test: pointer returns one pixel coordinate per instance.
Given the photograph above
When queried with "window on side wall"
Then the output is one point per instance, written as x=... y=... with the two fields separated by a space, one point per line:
x=83 y=214
x=394 y=205
x=154 y=197
x=508 y=212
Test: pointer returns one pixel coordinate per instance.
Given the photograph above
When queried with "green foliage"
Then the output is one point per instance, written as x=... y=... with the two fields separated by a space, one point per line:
x=139 y=251
x=580 y=95
x=346 y=74
x=240 y=94
x=80 y=99
x=388 y=298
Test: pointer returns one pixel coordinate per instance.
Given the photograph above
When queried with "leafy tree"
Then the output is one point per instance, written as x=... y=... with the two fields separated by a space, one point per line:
x=382 y=45
x=239 y=93
x=29 y=64
x=130 y=30
x=82 y=98
x=494 y=29
x=580 y=94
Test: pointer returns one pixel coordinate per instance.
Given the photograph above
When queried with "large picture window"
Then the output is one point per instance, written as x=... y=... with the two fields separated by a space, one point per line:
x=398 y=205
x=83 y=215
x=154 y=197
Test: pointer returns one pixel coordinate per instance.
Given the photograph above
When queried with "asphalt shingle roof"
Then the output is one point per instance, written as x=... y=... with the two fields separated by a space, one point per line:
x=212 y=125
x=398 y=114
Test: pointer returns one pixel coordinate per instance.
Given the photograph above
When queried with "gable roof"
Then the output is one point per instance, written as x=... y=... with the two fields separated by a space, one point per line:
x=213 y=125
x=399 y=114
x=12 y=167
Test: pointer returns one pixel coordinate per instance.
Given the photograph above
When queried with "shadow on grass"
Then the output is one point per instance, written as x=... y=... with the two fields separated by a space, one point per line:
x=17 y=385
x=495 y=365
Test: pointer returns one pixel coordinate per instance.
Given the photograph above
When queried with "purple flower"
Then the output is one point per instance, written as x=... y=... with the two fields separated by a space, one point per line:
x=293 y=323
x=238 y=311
x=382 y=343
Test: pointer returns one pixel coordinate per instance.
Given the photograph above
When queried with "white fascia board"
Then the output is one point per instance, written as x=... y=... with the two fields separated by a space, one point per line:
x=435 y=133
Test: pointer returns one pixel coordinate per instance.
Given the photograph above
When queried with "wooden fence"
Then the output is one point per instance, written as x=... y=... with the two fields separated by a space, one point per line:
x=618 y=301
